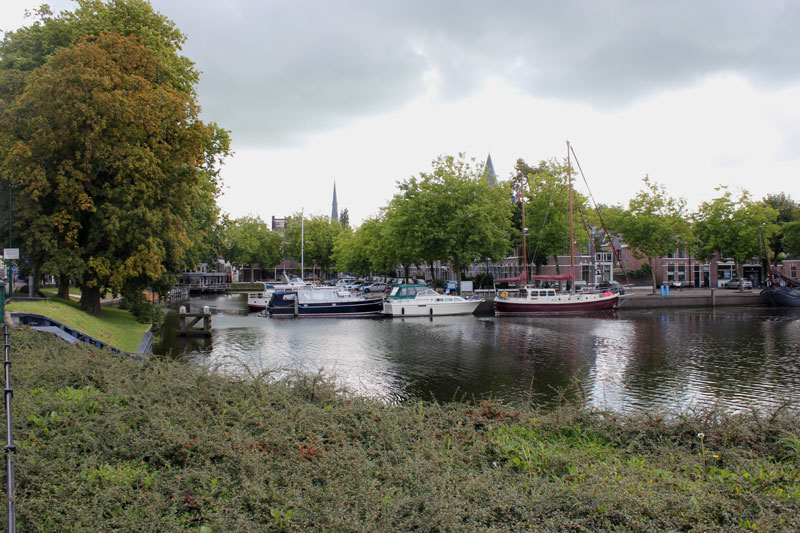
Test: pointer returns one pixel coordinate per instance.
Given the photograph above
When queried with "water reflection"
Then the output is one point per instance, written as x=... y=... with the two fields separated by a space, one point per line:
x=633 y=360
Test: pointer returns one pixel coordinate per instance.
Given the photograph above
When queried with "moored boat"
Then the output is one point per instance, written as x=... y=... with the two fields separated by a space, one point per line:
x=537 y=300
x=530 y=299
x=427 y=302
x=322 y=303
x=781 y=290
x=782 y=296
x=257 y=301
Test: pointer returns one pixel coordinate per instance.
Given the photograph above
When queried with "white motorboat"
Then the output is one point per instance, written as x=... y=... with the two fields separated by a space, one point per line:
x=257 y=301
x=427 y=302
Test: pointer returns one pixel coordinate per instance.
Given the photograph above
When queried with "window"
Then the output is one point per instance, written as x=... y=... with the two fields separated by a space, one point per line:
x=793 y=271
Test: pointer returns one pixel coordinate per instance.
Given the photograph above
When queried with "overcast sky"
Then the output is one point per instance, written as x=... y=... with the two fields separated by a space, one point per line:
x=365 y=93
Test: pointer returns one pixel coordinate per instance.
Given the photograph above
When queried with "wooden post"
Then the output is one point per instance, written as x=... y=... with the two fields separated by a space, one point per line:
x=188 y=321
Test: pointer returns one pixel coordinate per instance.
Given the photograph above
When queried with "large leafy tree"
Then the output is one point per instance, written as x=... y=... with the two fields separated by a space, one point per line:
x=731 y=227
x=654 y=224
x=791 y=237
x=249 y=241
x=788 y=212
x=109 y=158
x=368 y=250
x=451 y=214
x=113 y=174
x=546 y=191
x=314 y=238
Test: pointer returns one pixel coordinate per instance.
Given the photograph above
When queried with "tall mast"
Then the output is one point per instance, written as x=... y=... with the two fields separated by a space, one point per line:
x=524 y=238
x=571 y=224
x=302 y=244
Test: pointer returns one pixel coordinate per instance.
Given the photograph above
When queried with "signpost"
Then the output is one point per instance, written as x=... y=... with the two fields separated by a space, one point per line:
x=10 y=254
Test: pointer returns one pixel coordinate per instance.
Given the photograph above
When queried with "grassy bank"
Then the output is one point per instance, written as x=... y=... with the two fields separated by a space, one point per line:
x=116 y=327
x=109 y=444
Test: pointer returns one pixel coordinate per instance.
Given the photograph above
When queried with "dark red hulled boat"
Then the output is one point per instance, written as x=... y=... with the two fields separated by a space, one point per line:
x=540 y=300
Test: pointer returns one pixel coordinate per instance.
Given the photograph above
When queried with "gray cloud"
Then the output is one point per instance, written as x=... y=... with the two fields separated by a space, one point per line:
x=274 y=71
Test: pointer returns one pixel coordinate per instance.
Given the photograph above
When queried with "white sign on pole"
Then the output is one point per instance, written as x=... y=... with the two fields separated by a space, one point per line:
x=10 y=253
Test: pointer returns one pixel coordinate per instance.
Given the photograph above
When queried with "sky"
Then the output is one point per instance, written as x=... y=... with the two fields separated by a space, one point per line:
x=367 y=93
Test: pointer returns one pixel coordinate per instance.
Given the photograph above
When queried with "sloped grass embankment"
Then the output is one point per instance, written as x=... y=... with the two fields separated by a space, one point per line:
x=106 y=443
x=116 y=327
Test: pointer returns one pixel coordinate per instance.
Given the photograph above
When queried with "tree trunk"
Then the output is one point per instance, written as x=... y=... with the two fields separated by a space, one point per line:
x=63 y=287
x=34 y=281
x=433 y=274
x=457 y=266
x=90 y=300
x=653 y=275
x=558 y=268
x=739 y=274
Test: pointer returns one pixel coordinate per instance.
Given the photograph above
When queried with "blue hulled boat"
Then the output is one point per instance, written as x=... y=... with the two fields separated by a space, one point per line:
x=322 y=303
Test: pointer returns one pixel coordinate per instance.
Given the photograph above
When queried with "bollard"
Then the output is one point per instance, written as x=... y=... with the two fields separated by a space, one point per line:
x=662 y=290
x=666 y=290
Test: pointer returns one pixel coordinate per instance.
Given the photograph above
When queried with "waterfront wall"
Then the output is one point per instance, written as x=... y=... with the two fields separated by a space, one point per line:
x=691 y=298
x=676 y=298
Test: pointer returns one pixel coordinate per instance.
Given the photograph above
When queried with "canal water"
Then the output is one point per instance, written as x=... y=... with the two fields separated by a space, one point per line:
x=737 y=358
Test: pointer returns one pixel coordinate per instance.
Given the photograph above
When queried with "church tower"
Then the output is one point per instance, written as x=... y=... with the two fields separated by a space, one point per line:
x=489 y=172
x=335 y=206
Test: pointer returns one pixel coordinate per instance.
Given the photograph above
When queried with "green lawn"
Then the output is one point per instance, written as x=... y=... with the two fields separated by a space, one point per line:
x=116 y=327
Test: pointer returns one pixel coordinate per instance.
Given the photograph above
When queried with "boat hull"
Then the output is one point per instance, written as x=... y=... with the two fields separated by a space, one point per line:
x=522 y=306
x=364 y=308
x=782 y=296
x=412 y=308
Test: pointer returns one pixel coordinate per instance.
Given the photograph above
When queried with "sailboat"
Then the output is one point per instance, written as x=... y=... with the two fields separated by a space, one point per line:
x=783 y=293
x=530 y=299
x=781 y=290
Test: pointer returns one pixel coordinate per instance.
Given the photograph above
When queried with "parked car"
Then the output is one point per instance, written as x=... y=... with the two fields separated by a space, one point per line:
x=735 y=284
x=610 y=286
x=374 y=287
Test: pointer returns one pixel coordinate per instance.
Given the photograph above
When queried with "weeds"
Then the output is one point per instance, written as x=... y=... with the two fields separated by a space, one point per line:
x=106 y=443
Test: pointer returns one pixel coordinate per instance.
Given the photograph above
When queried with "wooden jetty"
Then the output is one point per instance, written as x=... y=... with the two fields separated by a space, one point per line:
x=188 y=323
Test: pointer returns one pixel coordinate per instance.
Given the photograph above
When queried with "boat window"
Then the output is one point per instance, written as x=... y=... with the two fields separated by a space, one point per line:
x=551 y=293
x=395 y=291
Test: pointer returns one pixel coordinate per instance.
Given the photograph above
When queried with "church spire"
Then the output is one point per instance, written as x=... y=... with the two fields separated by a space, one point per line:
x=489 y=171
x=335 y=206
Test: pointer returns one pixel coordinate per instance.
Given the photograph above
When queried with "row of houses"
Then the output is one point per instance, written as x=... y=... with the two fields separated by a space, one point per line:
x=676 y=269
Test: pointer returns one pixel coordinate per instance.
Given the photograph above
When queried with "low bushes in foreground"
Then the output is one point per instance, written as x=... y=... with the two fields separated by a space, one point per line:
x=106 y=443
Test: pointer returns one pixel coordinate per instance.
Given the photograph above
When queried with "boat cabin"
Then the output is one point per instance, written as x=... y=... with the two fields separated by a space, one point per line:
x=407 y=290
x=535 y=292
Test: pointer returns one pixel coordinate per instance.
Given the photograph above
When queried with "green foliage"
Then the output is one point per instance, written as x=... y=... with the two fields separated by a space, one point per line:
x=115 y=180
x=367 y=250
x=144 y=311
x=106 y=444
x=450 y=214
x=317 y=247
x=248 y=240
x=483 y=281
x=654 y=224
x=644 y=272
x=731 y=227
x=546 y=191
x=790 y=237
